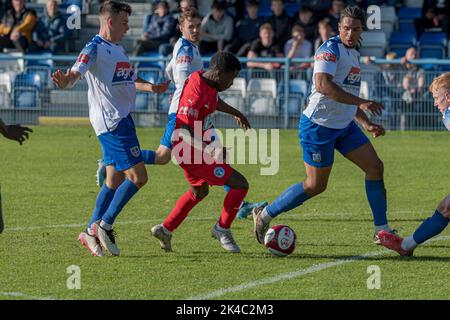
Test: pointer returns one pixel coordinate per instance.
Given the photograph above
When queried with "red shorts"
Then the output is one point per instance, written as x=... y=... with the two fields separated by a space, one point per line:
x=213 y=174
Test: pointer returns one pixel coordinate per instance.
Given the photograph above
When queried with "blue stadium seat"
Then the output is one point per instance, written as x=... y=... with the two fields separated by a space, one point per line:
x=291 y=8
x=26 y=90
x=432 y=45
x=399 y=42
x=406 y=17
x=151 y=64
x=43 y=67
x=298 y=92
x=149 y=74
x=142 y=99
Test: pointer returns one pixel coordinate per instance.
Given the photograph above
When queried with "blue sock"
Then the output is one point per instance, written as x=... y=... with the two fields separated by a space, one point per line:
x=376 y=194
x=149 y=156
x=430 y=227
x=123 y=194
x=104 y=198
x=227 y=188
x=288 y=200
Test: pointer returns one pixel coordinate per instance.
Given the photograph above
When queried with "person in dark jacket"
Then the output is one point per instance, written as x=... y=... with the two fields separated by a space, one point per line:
x=51 y=32
x=281 y=22
x=157 y=32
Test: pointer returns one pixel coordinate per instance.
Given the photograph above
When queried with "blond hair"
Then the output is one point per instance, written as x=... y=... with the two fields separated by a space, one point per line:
x=442 y=81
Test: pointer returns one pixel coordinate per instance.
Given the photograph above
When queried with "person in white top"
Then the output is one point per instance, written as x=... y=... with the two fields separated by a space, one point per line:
x=112 y=86
x=328 y=124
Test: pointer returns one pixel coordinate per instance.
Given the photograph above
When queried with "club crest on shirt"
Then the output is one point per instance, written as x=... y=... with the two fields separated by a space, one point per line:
x=123 y=72
x=135 y=151
x=219 y=172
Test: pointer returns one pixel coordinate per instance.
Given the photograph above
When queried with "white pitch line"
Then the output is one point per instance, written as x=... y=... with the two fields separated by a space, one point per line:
x=296 y=274
x=24 y=295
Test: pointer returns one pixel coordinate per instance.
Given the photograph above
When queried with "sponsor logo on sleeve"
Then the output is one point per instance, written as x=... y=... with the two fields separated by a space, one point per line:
x=83 y=58
x=325 y=56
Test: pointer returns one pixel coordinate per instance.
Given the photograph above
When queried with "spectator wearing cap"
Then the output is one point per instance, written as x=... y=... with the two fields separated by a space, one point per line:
x=157 y=32
x=217 y=29
x=246 y=31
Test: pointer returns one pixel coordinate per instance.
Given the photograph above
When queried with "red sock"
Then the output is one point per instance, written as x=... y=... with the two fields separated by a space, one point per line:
x=231 y=205
x=184 y=204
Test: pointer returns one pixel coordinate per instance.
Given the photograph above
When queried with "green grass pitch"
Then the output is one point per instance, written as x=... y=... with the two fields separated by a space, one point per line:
x=48 y=191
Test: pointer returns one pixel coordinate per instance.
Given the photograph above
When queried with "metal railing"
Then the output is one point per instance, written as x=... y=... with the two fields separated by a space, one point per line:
x=271 y=99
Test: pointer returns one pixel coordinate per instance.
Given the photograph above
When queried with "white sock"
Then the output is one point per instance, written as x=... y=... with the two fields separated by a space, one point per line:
x=408 y=243
x=382 y=227
x=105 y=225
x=265 y=216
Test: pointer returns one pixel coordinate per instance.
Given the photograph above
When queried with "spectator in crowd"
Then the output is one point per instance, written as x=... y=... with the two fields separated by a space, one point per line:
x=298 y=47
x=280 y=21
x=17 y=27
x=413 y=89
x=186 y=4
x=246 y=30
x=335 y=12
x=305 y=19
x=51 y=32
x=217 y=30
x=204 y=7
x=435 y=17
x=325 y=33
x=319 y=7
x=236 y=8
x=265 y=47
x=158 y=31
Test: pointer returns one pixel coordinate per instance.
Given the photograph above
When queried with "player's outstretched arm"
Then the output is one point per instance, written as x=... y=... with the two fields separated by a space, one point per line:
x=143 y=85
x=14 y=132
x=325 y=85
x=240 y=118
x=65 y=80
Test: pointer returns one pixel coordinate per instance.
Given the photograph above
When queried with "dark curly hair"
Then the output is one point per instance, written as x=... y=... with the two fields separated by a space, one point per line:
x=354 y=12
x=225 y=62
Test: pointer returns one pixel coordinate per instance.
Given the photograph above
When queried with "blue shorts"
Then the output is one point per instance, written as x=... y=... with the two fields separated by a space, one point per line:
x=318 y=142
x=121 y=147
x=166 y=139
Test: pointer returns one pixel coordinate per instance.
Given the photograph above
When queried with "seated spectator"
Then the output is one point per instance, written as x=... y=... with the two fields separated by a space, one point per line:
x=298 y=47
x=235 y=8
x=217 y=30
x=335 y=13
x=280 y=21
x=50 y=33
x=325 y=33
x=157 y=33
x=186 y=4
x=246 y=31
x=183 y=6
x=305 y=19
x=17 y=26
x=265 y=47
x=435 y=17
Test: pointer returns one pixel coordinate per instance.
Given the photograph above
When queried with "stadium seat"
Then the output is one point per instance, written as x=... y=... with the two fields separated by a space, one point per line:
x=298 y=92
x=165 y=98
x=5 y=90
x=261 y=94
x=235 y=95
x=399 y=42
x=406 y=17
x=149 y=74
x=142 y=99
x=43 y=67
x=364 y=90
x=151 y=64
x=432 y=45
x=413 y=3
x=26 y=90
x=15 y=64
x=373 y=43
x=388 y=20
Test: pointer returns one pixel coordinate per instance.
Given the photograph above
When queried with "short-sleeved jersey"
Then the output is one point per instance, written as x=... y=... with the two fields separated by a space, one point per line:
x=198 y=101
x=111 y=81
x=342 y=64
x=185 y=60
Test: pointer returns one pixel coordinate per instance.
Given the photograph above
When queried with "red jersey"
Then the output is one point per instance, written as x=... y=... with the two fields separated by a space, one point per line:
x=197 y=101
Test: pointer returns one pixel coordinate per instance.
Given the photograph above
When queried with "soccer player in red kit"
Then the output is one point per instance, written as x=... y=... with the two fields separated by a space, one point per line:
x=202 y=162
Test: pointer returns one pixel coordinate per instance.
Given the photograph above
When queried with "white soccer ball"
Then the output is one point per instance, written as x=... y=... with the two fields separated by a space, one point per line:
x=280 y=240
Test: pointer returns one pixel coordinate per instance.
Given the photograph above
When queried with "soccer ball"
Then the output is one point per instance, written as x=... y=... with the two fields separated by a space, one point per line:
x=280 y=240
